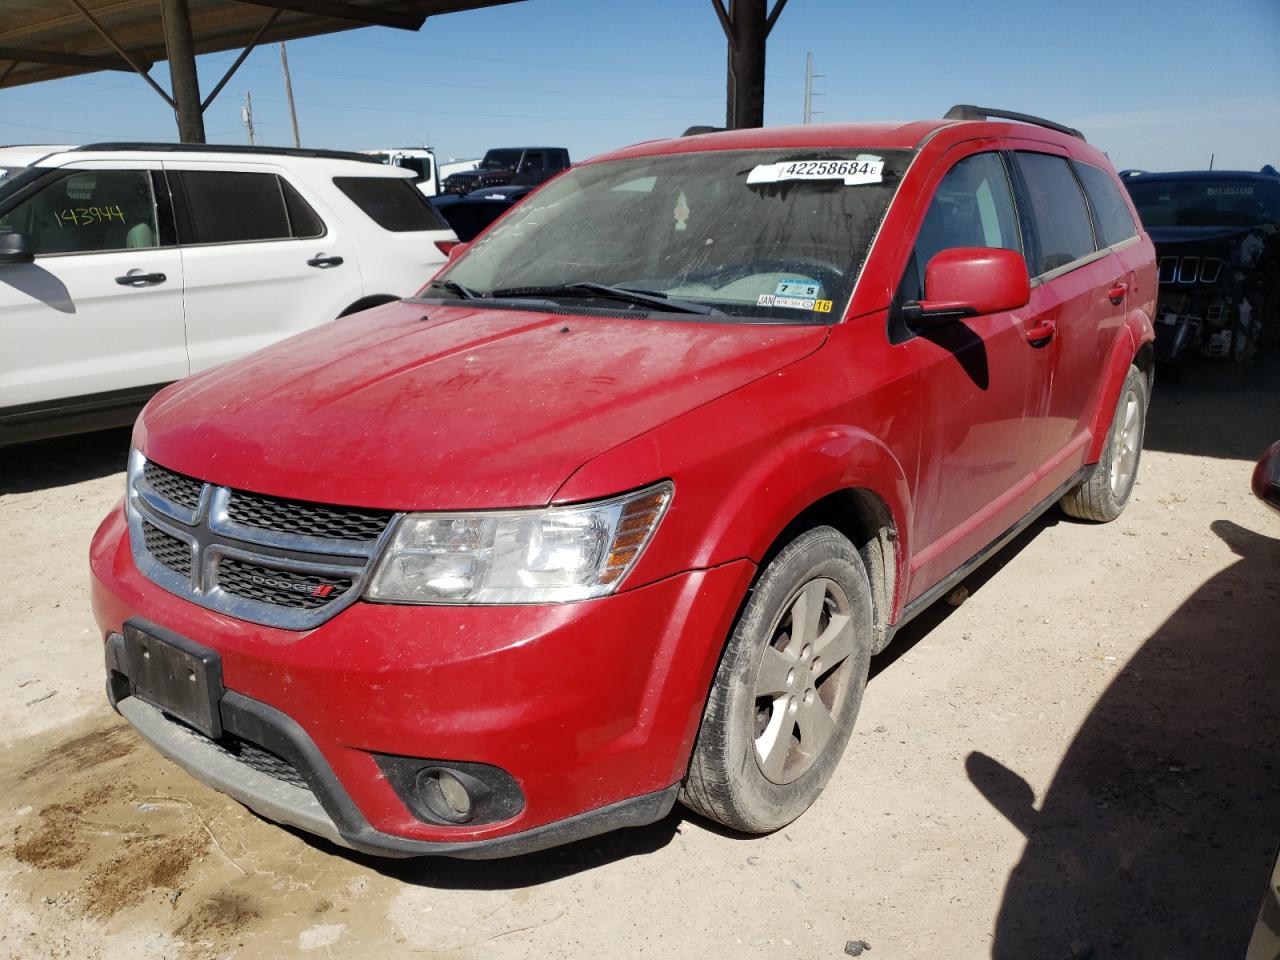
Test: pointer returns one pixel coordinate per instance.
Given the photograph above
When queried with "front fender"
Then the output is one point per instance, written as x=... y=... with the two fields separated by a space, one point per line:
x=744 y=467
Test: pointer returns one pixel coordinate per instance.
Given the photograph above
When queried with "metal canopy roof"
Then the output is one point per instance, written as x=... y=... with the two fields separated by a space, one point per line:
x=46 y=39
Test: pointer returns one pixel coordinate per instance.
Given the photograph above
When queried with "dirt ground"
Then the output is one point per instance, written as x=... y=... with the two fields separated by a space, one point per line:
x=1078 y=761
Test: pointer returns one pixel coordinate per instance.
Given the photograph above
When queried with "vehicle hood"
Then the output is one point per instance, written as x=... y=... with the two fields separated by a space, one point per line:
x=416 y=406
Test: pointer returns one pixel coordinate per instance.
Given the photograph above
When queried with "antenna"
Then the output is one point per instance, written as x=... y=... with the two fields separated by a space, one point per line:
x=809 y=92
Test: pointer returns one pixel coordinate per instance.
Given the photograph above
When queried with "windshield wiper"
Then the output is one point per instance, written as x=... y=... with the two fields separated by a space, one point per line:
x=461 y=292
x=587 y=288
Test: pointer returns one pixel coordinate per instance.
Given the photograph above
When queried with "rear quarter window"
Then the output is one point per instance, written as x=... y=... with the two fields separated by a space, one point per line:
x=1058 y=208
x=392 y=203
x=1111 y=217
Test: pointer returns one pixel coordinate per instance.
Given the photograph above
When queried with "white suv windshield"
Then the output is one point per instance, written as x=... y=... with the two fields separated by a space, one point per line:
x=760 y=235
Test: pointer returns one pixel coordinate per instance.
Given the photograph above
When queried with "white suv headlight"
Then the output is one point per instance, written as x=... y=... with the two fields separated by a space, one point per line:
x=519 y=556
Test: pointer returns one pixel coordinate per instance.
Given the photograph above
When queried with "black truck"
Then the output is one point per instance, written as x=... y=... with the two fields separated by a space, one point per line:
x=515 y=166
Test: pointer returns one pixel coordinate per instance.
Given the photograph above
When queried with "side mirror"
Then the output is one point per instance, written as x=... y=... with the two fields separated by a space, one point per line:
x=14 y=248
x=457 y=250
x=969 y=281
x=1266 y=478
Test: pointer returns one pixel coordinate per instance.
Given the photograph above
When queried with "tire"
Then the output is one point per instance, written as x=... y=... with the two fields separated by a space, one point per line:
x=1103 y=493
x=752 y=721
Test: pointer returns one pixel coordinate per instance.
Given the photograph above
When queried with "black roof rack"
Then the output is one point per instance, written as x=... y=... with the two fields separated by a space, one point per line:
x=232 y=148
x=967 y=111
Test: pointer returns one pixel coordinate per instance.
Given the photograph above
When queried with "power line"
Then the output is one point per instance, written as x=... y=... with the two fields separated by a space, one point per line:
x=420 y=112
x=523 y=63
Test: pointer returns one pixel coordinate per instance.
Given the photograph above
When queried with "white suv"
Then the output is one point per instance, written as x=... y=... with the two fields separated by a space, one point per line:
x=124 y=267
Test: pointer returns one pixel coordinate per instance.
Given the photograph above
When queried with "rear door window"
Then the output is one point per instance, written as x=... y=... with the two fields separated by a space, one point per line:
x=1111 y=217
x=392 y=203
x=236 y=206
x=1063 y=228
x=88 y=211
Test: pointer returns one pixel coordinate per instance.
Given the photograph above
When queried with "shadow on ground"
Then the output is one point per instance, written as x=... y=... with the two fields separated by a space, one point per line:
x=1217 y=409
x=63 y=461
x=1157 y=835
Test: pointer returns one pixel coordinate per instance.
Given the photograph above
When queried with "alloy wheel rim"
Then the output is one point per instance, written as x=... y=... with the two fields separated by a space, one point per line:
x=1128 y=444
x=801 y=680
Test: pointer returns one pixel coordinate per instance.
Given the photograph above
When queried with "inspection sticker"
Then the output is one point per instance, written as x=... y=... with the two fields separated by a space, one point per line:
x=864 y=169
x=788 y=287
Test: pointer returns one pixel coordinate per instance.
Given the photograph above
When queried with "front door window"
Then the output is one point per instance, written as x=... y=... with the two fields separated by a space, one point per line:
x=88 y=211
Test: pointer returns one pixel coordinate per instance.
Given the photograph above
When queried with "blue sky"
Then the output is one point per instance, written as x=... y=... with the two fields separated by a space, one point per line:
x=1157 y=85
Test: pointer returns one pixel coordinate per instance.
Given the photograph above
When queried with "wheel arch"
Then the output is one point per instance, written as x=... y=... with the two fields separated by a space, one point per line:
x=367 y=303
x=866 y=519
x=1134 y=346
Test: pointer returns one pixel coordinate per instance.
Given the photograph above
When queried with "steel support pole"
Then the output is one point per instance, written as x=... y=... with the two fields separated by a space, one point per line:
x=747 y=33
x=182 y=70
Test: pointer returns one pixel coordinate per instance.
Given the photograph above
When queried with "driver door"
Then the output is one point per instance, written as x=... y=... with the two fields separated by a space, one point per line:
x=984 y=388
x=99 y=310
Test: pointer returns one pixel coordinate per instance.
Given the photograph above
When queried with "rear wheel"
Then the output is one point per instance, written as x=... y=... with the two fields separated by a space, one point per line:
x=1106 y=489
x=788 y=688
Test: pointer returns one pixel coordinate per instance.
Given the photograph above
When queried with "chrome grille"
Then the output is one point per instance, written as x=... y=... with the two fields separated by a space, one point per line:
x=283 y=563
x=168 y=549
x=283 y=587
x=306 y=519
x=1187 y=270
x=172 y=486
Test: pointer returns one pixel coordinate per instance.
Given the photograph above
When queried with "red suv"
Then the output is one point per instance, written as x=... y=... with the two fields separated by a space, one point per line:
x=618 y=508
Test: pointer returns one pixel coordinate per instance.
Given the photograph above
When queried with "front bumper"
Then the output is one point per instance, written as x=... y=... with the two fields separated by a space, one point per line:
x=592 y=707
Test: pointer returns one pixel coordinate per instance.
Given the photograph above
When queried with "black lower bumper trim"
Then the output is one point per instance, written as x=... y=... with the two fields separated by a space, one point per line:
x=324 y=807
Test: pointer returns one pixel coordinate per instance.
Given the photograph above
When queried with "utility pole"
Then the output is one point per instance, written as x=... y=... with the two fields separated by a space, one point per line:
x=288 y=89
x=809 y=92
x=246 y=115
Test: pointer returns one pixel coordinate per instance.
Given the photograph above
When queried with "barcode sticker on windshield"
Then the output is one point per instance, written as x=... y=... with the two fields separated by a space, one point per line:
x=864 y=169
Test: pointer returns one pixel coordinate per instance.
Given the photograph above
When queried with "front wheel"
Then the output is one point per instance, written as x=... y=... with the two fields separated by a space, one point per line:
x=1105 y=490
x=788 y=688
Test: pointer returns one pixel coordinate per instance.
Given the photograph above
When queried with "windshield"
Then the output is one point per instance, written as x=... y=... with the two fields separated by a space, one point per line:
x=6 y=171
x=761 y=235
x=1225 y=202
x=500 y=160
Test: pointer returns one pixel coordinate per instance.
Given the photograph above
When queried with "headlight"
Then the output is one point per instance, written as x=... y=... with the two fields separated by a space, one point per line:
x=519 y=556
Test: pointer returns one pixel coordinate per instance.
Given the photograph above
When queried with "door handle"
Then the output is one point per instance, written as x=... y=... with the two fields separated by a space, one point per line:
x=141 y=279
x=1117 y=292
x=324 y=262
x=1041 y=334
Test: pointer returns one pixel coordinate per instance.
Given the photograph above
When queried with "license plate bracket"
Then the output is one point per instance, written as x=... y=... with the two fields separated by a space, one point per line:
x=175 y=674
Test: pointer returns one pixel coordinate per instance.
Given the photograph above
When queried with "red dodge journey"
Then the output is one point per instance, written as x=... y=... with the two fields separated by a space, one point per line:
x=617 y=509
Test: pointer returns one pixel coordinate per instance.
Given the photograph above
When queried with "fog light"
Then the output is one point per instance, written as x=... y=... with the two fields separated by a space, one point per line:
x=455 y=794
x=445 y=795
x=452 y=791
